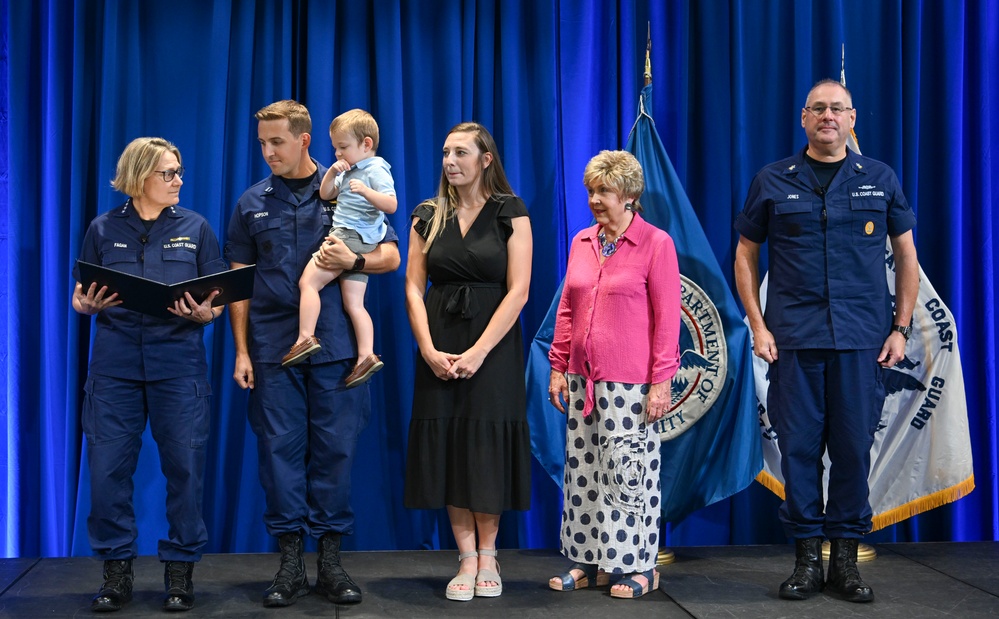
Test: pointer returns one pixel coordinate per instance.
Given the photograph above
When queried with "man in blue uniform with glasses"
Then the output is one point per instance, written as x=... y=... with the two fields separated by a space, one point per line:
x=829 y=329
x=306 y=420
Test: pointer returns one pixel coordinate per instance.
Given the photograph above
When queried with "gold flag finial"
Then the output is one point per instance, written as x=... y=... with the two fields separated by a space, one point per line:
x=648 y=60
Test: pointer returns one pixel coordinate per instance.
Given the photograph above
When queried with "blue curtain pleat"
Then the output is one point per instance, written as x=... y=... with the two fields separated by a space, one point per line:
x=556 y=82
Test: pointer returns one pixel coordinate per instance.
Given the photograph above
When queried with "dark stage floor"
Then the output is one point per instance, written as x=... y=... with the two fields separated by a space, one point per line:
x=909 y=580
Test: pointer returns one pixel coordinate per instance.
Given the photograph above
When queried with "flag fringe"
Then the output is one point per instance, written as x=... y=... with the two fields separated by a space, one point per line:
x=898 y=514
x=922 y=504
x=770 y=483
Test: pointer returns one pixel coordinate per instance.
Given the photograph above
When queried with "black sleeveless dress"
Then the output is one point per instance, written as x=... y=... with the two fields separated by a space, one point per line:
x=469 y=442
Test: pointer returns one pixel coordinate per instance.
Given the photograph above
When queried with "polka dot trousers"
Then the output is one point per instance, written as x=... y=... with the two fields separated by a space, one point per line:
x=611 y=512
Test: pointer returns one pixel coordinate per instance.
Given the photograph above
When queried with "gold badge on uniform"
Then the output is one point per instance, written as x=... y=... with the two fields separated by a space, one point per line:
x=869 y=228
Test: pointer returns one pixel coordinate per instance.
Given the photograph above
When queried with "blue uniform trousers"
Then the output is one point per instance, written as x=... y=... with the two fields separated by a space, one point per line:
x=307 y=424
x=114 y=417
x=818 y=400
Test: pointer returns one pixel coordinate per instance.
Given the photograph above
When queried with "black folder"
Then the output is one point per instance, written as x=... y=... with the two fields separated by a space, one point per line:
x=153 y=298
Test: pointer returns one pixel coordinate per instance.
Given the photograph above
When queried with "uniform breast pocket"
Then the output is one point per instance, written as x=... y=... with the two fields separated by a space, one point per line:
x=266 y=235
x=123 y=260
x=180 y=264
x=791 y=218
x=869 y=220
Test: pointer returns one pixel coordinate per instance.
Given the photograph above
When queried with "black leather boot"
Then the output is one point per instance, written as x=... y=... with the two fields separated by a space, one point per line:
x=291 y=581
x=844 y=577
x=117 y=588
x=333 y=581
x=179 y=583
x=807 y=577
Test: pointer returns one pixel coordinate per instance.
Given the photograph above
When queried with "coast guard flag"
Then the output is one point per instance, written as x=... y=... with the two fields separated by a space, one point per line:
x=710 y=448
x=921 y=457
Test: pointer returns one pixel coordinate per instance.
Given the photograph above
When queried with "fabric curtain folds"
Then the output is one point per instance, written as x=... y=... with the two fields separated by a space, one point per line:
x=555 y=82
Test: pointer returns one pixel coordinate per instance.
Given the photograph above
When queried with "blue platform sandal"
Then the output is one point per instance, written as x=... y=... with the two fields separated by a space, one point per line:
x=637 y=590
x=592 y=577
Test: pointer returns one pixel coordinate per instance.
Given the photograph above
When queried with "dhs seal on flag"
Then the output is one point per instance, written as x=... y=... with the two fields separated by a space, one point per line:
x=703 y=362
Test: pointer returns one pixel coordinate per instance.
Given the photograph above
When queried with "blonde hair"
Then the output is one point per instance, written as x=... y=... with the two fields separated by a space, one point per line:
x=619 y=171
x=358 y=124
x=494 y=181
x=137 y=163
x=299 y=121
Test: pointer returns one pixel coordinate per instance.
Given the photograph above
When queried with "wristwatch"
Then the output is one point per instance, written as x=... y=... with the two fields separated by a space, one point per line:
x=905 y=331
x=359 y=265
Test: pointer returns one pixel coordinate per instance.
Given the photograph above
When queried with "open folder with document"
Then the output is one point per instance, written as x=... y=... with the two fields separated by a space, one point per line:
x=153 y=298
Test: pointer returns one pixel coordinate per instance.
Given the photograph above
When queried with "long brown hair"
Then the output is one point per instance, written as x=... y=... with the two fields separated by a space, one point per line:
x=494 y=181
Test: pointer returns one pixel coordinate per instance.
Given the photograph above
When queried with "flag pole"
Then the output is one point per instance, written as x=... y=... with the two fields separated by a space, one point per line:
x=665 y=555
x=855 y=147
x=648 y=53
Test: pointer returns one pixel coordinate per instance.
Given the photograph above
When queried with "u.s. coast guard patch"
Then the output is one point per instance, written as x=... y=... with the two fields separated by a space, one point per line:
x=703 y=362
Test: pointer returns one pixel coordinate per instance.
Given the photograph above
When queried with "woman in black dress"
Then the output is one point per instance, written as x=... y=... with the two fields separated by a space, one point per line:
x=469 y=443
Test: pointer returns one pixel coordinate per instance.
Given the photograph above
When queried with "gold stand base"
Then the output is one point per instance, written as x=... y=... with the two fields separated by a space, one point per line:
x=665 y=557
x=864 y=552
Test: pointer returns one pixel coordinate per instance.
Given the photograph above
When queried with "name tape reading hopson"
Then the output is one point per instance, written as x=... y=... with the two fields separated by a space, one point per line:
x=700 y=378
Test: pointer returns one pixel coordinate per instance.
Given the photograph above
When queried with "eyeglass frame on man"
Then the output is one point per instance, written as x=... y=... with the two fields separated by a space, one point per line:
x=171 y=173
x=820 y=109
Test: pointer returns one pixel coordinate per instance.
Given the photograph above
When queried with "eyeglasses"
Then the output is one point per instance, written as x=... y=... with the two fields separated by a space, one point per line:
x=169 y=174
x=819 y=110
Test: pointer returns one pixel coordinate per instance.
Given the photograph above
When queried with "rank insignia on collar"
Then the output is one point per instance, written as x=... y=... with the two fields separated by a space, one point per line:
x=859 y=166
x=792 y=166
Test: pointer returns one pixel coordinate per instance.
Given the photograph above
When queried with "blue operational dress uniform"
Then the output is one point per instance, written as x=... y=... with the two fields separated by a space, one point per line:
x=306 y=421
x=830 y=311
x=140 y=367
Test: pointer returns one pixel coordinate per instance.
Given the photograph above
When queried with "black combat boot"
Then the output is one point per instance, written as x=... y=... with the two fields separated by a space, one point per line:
x=844 y=577
x=290 y=582
x=333 y=581
x=117 y=588
x=807 y=577
x=179 y=583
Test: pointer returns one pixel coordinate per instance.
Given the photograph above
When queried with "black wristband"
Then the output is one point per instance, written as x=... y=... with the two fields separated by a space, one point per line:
x=358 y=264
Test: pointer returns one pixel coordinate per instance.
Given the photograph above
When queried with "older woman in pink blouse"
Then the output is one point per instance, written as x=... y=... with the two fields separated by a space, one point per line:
x=613 y=354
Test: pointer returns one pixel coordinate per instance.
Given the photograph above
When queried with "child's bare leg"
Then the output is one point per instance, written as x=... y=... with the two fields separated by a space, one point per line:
x=313 y=279
x=353 y=303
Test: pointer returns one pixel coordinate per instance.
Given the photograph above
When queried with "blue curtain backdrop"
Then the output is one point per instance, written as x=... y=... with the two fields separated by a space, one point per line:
x=556 y=81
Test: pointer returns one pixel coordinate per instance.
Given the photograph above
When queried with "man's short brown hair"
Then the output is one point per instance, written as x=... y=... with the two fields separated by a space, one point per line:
x=299 y=121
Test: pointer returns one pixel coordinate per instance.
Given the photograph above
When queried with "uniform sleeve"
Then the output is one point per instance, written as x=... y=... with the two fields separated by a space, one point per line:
x=391 y=236
x=210 y=259
x=239 y=245
x=901 y=219
x=88 y=251
x=664 y=297
x=753 y=221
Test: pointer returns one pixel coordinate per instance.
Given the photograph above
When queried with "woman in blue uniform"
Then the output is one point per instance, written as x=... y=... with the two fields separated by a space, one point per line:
x=146 y=367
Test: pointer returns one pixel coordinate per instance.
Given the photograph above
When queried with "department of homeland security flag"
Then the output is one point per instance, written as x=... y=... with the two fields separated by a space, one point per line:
x=921 y=457
x=710 y=448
